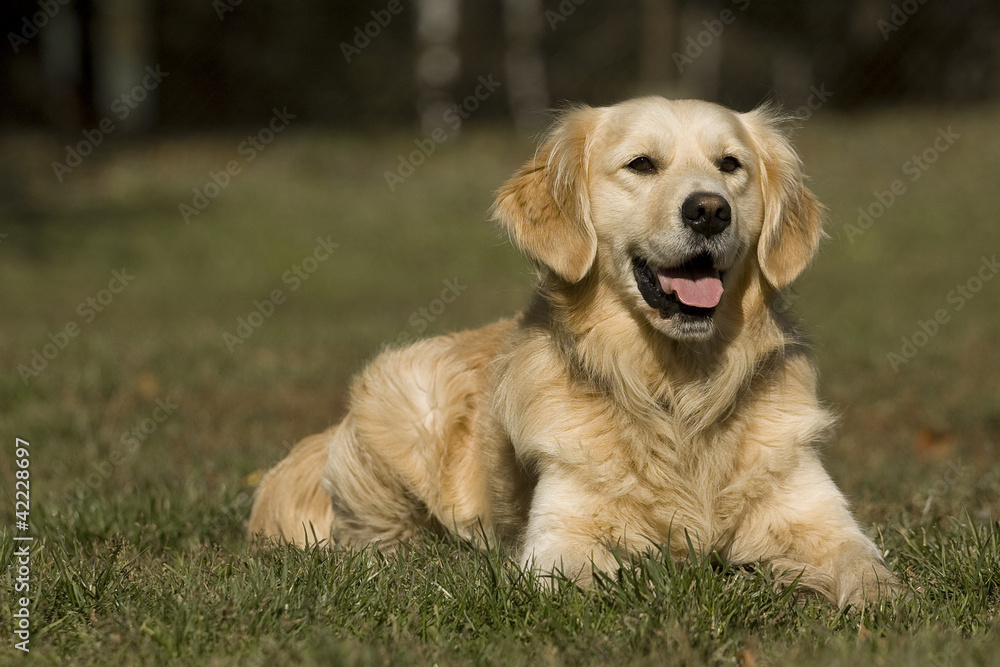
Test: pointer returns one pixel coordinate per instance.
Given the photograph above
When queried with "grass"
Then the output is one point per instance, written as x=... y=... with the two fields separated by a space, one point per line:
x=138 y=510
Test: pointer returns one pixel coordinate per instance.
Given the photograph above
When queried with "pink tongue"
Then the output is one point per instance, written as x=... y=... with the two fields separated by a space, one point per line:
x=702 y=291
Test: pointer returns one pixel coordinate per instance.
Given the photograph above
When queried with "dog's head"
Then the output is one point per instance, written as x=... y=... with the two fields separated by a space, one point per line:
x=676 y=205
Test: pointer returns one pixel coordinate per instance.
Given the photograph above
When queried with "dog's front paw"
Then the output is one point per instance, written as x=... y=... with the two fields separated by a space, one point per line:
x=865 y=578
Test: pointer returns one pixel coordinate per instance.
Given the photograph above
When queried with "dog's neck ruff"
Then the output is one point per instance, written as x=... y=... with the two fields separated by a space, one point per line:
x=645 y=372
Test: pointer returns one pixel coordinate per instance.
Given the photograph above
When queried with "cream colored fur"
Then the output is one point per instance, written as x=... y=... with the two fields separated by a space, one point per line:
x=593 y=423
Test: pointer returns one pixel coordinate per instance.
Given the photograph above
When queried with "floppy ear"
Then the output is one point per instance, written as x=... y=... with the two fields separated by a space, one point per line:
x=793 y=217
x=545 y=206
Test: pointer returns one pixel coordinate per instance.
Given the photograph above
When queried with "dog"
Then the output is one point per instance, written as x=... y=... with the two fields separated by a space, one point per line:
x=651 y=394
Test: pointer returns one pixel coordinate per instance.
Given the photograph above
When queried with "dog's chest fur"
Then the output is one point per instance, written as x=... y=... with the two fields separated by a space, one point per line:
x=639 y=468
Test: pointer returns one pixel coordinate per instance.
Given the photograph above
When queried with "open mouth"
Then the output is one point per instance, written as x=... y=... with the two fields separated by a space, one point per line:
x=693 y=288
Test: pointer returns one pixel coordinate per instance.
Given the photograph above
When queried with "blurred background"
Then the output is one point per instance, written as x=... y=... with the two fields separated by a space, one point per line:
x=230 y=205
x=387 y=62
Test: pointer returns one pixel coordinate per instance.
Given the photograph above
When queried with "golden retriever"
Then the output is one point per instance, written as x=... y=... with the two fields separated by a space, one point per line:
x=650 y=394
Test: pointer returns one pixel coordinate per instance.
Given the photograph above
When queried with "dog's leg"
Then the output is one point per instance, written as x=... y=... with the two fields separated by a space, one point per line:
x=805 y=531
x=291 y=504
x=371 y=499
x=404 y=459
x=568 y=534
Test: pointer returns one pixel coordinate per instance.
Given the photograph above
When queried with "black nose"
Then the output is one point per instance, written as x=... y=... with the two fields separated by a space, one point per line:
x=706 y=213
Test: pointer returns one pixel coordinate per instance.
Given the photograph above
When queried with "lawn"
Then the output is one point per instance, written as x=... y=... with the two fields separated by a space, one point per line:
x=169 y=329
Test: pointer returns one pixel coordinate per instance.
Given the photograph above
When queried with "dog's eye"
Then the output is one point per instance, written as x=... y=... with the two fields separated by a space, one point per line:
x=642 y=165
x=729 y=164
